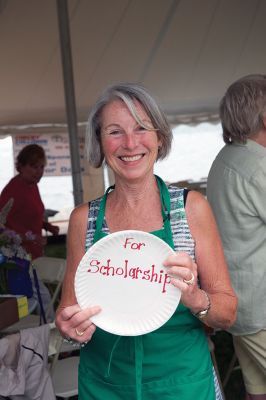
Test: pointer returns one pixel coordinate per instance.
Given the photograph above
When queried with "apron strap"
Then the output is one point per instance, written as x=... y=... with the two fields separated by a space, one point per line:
x=98 y=234
x=166 y=213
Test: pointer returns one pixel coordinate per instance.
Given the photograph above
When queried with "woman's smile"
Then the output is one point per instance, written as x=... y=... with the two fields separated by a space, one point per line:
x=131 y=158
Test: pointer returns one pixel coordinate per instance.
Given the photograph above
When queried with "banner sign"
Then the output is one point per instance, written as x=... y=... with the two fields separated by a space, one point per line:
x=56 y=147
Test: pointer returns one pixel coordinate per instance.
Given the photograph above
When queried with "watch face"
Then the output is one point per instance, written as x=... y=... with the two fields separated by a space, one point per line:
x=202 y=314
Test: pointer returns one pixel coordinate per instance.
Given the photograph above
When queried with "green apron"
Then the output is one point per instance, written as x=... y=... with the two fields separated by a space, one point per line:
x=171 y=363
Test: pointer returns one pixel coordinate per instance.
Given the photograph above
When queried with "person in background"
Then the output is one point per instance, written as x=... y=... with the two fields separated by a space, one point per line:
x=128 y=130
x=26 y=216
x=236 y=190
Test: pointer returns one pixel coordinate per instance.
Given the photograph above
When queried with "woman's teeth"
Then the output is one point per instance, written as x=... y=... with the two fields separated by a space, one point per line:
x=131 y=158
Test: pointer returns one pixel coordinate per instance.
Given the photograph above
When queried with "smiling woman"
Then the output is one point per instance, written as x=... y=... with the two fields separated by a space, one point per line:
x=127 y=129
x=130 y=149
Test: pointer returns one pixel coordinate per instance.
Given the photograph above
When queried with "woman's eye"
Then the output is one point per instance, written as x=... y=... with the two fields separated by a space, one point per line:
x=115 y=132
x=141 y=129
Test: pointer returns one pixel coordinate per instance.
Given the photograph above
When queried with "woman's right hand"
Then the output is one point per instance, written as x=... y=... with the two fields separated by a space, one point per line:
x=75 y=323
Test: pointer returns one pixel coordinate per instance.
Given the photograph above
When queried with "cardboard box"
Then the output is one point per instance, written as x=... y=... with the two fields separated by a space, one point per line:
x=8 y=311
x=23 y=308
x=12 y=308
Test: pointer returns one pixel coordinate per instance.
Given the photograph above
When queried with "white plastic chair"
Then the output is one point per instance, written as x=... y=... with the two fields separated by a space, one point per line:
x=50 y=270
x=64 y=372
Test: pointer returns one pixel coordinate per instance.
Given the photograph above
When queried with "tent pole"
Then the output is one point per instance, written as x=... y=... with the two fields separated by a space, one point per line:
x=65 y=45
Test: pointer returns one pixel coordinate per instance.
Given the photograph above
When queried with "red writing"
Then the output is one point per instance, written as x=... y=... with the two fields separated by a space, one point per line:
x=134 y=245
x=126 y=271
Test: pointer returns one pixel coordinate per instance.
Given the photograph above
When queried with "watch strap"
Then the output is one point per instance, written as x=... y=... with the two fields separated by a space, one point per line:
x=203 y=313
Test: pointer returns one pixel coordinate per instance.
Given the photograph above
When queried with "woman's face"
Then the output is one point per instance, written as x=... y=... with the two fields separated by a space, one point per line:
x=129 y=149
x=32 y=174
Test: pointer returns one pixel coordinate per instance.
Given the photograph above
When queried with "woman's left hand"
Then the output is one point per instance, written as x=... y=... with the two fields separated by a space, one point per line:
x=53 y=229
x=184 y=275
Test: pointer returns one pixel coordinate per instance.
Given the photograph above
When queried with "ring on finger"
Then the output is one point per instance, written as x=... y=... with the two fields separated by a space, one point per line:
x=79 y=333
x=190 y=281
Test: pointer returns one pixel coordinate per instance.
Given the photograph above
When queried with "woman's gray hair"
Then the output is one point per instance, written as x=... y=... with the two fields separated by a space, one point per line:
x=127 y=92
x=243 y=108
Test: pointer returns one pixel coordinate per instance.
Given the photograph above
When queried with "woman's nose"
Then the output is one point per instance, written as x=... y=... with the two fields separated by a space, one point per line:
x=130 y=140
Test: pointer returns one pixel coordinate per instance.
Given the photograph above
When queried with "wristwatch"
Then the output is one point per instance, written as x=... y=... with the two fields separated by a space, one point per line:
x=202 y=314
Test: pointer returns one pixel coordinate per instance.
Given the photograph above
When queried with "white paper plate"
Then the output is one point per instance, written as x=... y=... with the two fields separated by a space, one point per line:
x=123 y=273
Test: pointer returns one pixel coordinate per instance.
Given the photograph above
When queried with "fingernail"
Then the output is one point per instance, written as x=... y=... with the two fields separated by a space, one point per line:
x=96 y=309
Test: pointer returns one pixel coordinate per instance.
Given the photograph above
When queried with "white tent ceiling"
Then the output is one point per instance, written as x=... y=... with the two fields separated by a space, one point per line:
x=186 y=52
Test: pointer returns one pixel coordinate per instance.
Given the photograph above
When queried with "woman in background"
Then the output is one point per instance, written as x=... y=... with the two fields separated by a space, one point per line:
x=26 y=214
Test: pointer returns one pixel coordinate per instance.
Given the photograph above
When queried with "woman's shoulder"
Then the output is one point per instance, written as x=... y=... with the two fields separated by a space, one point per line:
x=198 y=210
x=79 y=211
x=11 y=190
x=11 y=184
x=197 y=200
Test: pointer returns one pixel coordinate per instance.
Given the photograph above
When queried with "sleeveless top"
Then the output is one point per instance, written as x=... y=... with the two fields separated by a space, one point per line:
x=172 y=362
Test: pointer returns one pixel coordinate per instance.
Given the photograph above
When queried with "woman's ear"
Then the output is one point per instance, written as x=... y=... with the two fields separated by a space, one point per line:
x=160 y=143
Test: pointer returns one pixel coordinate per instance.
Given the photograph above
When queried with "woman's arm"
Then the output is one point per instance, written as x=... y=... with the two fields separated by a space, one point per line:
x=69 y=315
x=210 y=268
